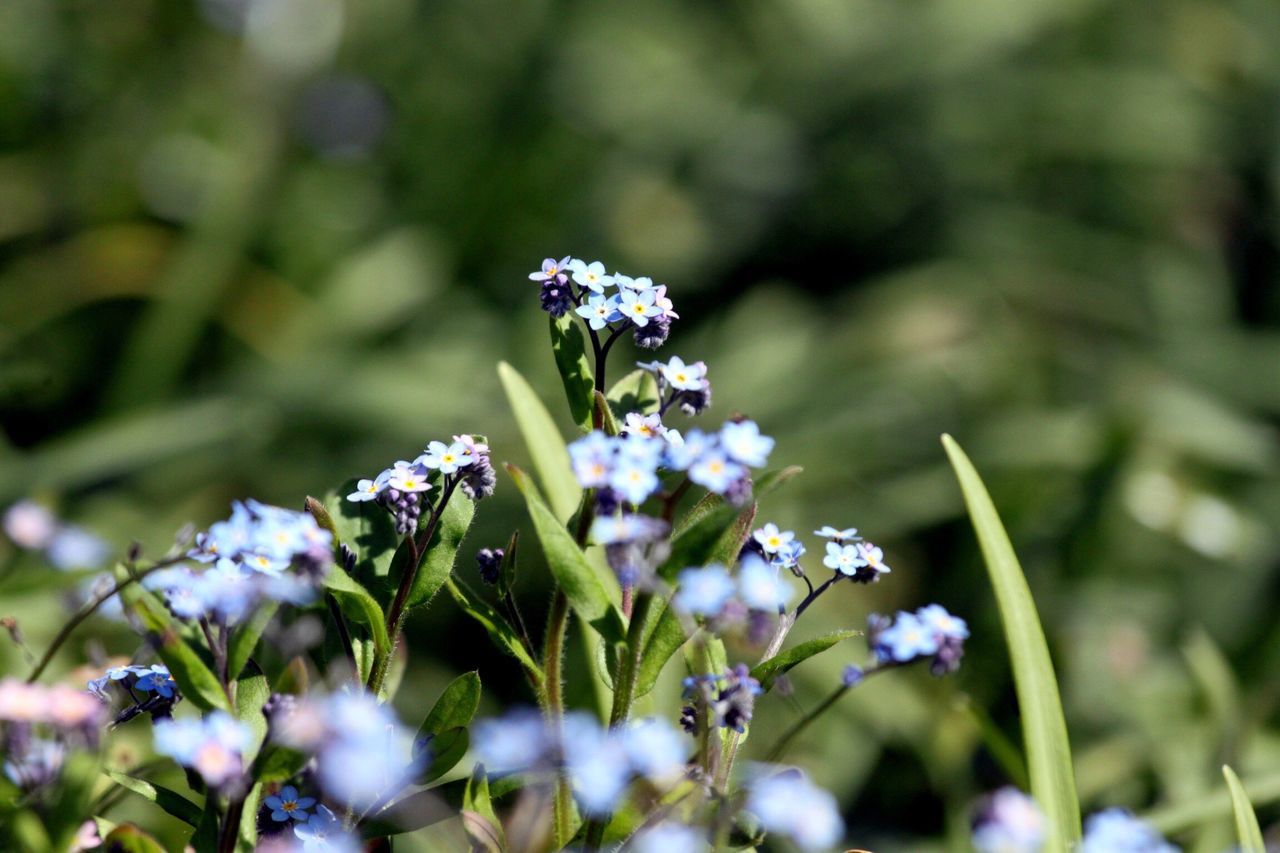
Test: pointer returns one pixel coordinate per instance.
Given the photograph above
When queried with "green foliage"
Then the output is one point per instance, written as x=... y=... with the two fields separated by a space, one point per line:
x=767 y=671
x=365 y=528
x=171 y=801
x=542 y=438
x=569 y=346
x=1248 y=832
x=442 y=552
x=499 y=630
x=358 y=605
x=1044 y=730
x=194 y=677
x=478 y=817
x=635 y=392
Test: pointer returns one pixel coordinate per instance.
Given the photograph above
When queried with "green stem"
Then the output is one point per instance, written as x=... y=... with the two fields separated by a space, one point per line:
x=803 y=723
x=629 y=671
x=553 y=691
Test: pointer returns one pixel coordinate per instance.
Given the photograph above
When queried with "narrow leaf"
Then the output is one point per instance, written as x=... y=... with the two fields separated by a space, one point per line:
x=408 y=814
x=502 y=634
x=442 y=551
x=1044 y=730
x=1207 y=808
x=768 y=671
x=570 y=348
x=695 y=545
x=171 y=801
x=1248 y=832
x=252 y=692
x=196 y=681
x=581 y=584
x=245 y=638
x=546 y=447
x=358 y=604
x=661 y=642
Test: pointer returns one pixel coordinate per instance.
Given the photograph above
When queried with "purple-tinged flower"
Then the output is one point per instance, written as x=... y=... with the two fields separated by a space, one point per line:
x=617 y=530
x=514 y=742
x=29 y=525
x=874 y=557
x=591 y=276
x=638 y=307
x=599 y=311
x=643 y=426
x=771 y=539
x=760 y=587
x=937 y=619
x=34 y=763
x=447 y=458
x=592 y=458
x=905 y=640
x=660 y=299
x=1009 y=822
x=323 y=833
x=212 y=746
x=849 y=534
x=705 y=591
x=1118 y=831
x=789 y=804
x=845 y=559
x=684 y=377
x=552 y=270
x=852 y=676
x=367 y=490
x=409 y=476
x=789 y=554
x=744 y=443
x=736 y=702
x=634 y=478
x=287 y=805
x=556 y=296
x=715 y=472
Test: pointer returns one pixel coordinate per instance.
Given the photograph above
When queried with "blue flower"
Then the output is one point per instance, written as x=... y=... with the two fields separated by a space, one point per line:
x=367 y=490
x=634 y=479
x=592 y=458
x=771 y=539
x=873 y=557
x=760 y=587
x=849 y=534
x=616 y=530
x=655 y=749
x=715 y=472
x=76 y=548
x=447 y=458
x=788 y=556
x=212 y=746
x=643 y=426
x=1009 y=822
x=670 y=838
x=852 y=676
x=599 y=311
x=744 y=443
x=596 y=764
x=157 y=680
x=591 y=276
x=638 y=307
x=1118 y=831
x=907 y=639
x=704 y=592
x=514 y=742
x=845 y=559
x=323 y=833
x=410 y=477
x=29 y=525
x=287 y=805
x=552 y=270
x=789 y=804
x=936 y=618
x=685 y=377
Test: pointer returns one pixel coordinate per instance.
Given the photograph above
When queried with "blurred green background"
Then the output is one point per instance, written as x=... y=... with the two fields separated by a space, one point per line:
x=256 y=247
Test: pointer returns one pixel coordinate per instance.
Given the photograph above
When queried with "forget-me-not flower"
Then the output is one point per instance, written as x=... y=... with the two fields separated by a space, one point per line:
x=552 y=269
x=685 y=377
x=705 y=591
x=591 y=276
x=1009 y=822
x=743 y=442
x=638 y=307
x=287 y=805
x=771 y=538
x=599 y=311
x=789 y=804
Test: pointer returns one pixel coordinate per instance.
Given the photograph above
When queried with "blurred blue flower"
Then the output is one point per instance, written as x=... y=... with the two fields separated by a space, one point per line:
x=670 y=838
x=744 y=443
x=788 y=804
x=705 y=591
x=1009 y=822
x=323 y=833
x=1118 y=831
x=212 y=746
x=760 y=587
x=513 y=742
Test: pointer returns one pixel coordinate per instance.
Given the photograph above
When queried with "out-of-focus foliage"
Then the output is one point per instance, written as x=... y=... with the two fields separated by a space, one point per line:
x=256 y=247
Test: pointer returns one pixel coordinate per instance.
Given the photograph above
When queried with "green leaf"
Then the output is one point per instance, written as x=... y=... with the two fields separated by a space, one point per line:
x=608 y=423
x=1044 y=730
x=502 y=634
x=765 y=484
x=252 y=692
x=447 y=749
x=456 y=706
x=546 y=447
x=577 y=577
x=408 y=814
x=1248 y=832
x=697 y=543
x=356 y=603
x=635 y=392
x=245 y=638
x=127 y=838
x=276 y=763
x=196 y=681
x=1207 y=808
x=766 y=672
x=364 y=527
x=570 y=348
x=479 y=820
x=442 y=550
x=661 y=641
x=171 y=801
x=205 y=838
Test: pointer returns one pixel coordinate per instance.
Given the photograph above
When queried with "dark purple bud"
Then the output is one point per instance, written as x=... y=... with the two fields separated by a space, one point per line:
x=654 y=334
x=489 y=560
x=695 y=402
x=479 y=479
x=556 y=297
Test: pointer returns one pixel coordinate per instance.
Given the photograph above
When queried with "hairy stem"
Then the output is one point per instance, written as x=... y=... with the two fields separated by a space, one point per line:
x=553 y=690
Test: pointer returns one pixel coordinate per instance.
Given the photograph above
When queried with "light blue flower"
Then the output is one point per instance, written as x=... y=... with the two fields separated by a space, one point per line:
x=715 y=472
x=936 y=618
x=656 y=749
x=29 y=525
x=514 y=742
x=287 y=805
x=685 y=377
x=705 y=591
x=788 y=556
x=367 y=490
x=1010 y=822
x=592 y=457
x=634 y=479
x=643 y=426
x=76 y=548
x=760 y=587
x=744 y=443
x=323 y=833
x=849 y=534
x=789 y=804
x=412 y=476
x=771 y=538
x=211 y=746
x=596 y=764
x=599 y=311
x=845 y=559
x=591 y=276
x=1118 y=831
x=551 y=268
x=615 y=530
x=874 y=557
x=638 y=307
x=907 y=639
x=670 y=838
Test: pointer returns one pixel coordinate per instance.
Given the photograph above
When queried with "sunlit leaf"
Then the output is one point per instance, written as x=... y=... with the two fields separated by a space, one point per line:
x=546 y=447
x=442 y=552
x=245 y=637
x=766 y=672
x=366 y=528
x=357 y=604
x=569 y=346
x=1248 y=832
x=169 y=800
x=456 y=706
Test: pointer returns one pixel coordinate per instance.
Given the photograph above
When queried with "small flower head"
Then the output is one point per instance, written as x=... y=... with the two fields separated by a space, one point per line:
x=591 y=275
x=643 y=426
x=852 y=676
x=1118 y=831
x=599 y=311
x=873 y=557
x=685 y=377
x=760 y=587
x=789 y=554
x=511 y=743
x=705 y=591
x=446 y=458
x=287 y=805
x=715 y=472
x=29 y=525
x=634 y=478
x=638 y=307
x=489 y=561
x=789 y=804
x=907 y=639
x=552 y=270
x=744 y=443
x=845 y=559
x=1009 y=822
x=367 y=490
x=771 y=539
x=212 y=746
x=592 y=458
x=848 y=534
x=323 y=833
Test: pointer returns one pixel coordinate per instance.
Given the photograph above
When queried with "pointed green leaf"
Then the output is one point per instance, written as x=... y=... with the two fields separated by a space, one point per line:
x=1248 y=832
x=697 y=544
x=635 y=392
x=442 y=551
x=768 y=671
x=502 y=634
x=245 y=638
x=577 y=577
x=169 y=800
x=445 y=749
x=194 y=677
x=363 y=526
x=456 y=706
x=546 y=447
x=247 y=841
x=661 y=641
x=570 y=348
x=1207 y=808
x=1044 y=730
x=408 y=814
x=761 y=486
x=358 y=604
x=252 y=692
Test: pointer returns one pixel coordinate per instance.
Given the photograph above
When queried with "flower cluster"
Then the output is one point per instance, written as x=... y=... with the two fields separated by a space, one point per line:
x=1009 y=821
x=929 y=632
x=684 y=385
x=599 y=763
x=846 y=552
x=266 y=539
x=361 y=749
x=625 y=468
x=728 y=700
x=40 y=724
x=713 y=593
x=159 y=690
x=632 y=303
x=33 y=528
x=789 y=804
x=402 y=487
x=227 y=592
x=213 y=746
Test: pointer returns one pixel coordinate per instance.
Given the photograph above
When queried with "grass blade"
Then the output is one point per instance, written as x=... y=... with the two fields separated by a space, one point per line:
x=1044 y=730
x=1248 y=831
x=546 y=447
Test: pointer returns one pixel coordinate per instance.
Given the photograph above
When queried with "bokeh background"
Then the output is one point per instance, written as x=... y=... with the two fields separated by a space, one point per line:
x=257 y=247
